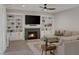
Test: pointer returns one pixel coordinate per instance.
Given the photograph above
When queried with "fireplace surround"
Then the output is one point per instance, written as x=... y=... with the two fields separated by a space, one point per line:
x=32 y=33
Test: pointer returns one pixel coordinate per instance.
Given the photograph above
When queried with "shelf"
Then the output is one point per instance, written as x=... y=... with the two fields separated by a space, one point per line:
x=14 y=23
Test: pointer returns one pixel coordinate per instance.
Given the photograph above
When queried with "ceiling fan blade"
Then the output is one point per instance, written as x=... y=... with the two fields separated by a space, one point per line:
x=41 y=7
x=46 y=8
x=45 y=5
x=51 y=8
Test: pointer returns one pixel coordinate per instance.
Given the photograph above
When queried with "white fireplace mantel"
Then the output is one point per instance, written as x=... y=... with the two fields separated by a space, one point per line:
x=30 y=26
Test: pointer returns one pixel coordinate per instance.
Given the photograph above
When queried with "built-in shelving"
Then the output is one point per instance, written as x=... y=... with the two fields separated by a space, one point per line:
x=14 y=26
x=46 y=25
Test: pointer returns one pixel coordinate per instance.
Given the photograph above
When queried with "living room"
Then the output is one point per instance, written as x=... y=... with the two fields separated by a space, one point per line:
x=55 y=22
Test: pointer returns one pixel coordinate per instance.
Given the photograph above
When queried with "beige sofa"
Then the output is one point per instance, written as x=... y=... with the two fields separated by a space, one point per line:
x=68 y=44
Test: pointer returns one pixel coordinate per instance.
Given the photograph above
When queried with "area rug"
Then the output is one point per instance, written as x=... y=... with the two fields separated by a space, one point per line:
x=35 y=46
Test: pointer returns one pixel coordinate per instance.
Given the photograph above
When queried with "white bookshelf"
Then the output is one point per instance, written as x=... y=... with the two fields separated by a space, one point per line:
x=46 y=22
x=47 y=25
x=14 y=27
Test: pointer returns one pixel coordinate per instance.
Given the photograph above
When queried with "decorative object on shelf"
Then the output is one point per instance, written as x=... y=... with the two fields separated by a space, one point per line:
x=16 y=26
x=18 y=19
x=18 y=23
x=43 y=20
x=11 y=31
x=46 y=29
x=45 y=25
x=9 y=27
x=12 y=23
x=49 y=25
x=10 y=16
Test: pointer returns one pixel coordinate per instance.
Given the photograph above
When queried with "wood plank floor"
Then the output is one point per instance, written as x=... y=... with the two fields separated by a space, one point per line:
x=18 y=47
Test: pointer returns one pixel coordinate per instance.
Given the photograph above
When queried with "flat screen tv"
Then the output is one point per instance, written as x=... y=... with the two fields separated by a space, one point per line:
x=32 y=19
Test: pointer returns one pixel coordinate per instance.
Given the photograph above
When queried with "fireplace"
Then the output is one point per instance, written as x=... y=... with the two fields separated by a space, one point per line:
x=32 y=33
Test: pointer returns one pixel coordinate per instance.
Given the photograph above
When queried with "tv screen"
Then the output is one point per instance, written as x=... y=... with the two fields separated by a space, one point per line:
x=31 y=19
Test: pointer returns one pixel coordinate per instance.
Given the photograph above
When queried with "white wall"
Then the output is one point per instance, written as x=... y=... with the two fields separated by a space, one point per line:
x=2 y=29
x=23 y=12
x=68 y=20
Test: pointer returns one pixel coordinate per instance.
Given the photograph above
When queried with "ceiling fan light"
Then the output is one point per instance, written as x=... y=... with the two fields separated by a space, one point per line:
x=45 y=9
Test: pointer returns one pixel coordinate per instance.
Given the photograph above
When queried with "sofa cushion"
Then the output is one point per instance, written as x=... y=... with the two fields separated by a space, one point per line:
x=66 y=33
x=76 y=37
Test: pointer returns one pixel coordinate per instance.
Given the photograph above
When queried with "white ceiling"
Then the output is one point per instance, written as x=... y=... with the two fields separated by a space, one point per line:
x=36 y=7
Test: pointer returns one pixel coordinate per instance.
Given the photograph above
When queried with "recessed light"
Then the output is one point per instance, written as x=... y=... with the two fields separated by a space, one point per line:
x=23 y=5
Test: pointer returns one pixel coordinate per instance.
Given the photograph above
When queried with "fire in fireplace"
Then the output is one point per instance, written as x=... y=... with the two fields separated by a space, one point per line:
x=32 y=35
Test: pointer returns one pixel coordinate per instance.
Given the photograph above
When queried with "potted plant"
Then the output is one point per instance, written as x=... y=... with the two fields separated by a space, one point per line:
x=46 y=42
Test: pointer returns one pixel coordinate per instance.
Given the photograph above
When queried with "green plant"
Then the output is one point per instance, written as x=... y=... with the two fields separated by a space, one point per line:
x=46 y=41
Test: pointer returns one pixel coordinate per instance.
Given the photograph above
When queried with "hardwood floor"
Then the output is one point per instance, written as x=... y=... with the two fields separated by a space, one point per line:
x=24 y=47
x=18 y=47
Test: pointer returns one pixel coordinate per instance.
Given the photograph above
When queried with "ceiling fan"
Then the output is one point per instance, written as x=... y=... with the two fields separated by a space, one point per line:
x=46 y=8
